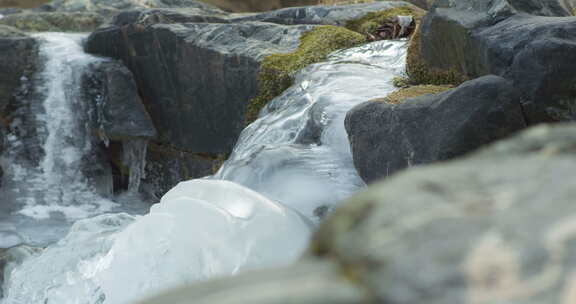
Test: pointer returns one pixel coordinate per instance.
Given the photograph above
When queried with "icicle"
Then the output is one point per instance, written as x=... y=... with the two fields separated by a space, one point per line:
x=134 y=156
x=404 y=22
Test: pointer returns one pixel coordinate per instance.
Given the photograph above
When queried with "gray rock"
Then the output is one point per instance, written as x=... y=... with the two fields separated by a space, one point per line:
x=120 y=112
x=478 y=38
x=495 y=227
x=109 y=7
x=166 y=167
x=386 y=138
x=148 y=17
x=54 y=21
x=18 y=55
x=196 y=79
x=322 y=14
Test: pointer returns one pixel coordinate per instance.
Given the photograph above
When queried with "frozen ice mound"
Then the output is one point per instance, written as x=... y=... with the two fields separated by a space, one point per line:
x=201 y=229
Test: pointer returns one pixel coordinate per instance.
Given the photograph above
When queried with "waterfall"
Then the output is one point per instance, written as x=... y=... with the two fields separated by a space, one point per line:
x=294 y=163
x=65 y=179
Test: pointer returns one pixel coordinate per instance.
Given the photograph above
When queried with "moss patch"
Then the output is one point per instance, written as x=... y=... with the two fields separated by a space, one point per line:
x=371 y=21
x=420 y=73
x=277 y=71
x=411 y=92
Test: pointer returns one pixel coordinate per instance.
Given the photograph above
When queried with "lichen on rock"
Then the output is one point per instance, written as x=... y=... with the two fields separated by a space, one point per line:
x=277 y=70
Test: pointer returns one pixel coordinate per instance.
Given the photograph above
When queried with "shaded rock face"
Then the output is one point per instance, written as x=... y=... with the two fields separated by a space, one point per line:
x=196 y=79
x=120 y=112
x=166 y=167
x=18 y=57
x=18 y=53
x=386 y=138
x=527 y=41
x=330 y=15
x=495 y=227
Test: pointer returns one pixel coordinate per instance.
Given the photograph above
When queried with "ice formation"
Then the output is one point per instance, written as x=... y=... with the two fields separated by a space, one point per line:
x=200 y=230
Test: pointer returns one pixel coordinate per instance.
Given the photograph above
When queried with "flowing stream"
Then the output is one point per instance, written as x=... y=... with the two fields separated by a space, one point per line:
x=288 y=169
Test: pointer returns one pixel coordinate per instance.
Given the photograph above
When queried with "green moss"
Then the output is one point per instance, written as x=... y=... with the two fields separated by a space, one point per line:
x=419 y=72
x=277 y=71
x=371 y=21
x=411 y=92
x=401 y=82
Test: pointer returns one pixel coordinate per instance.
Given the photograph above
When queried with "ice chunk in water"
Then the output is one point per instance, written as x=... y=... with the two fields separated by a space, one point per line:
x=200 y=230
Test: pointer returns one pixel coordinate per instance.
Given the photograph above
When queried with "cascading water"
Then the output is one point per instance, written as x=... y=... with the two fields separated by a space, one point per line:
x=297 y=153
x=44 y=194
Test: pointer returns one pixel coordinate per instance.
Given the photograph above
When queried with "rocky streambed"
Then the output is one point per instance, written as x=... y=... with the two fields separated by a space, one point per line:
x=274 y=123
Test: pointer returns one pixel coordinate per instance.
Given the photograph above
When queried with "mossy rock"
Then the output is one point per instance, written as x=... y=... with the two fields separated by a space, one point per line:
x=411 y=92
x=54 y=22
x=277 y=71
x=419 y=72
x=371 y=21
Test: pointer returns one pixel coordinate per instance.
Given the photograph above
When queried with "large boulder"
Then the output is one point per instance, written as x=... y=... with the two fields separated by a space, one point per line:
x=387 y=137
x=322 y=14
x=196 y=78
x=495 y=227
x=529 y=42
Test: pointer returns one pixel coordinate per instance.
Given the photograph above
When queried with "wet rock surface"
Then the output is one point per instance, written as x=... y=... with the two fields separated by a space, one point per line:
x=196 y=79
x=386 y=138
x=120 y=114
x=18 y=56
